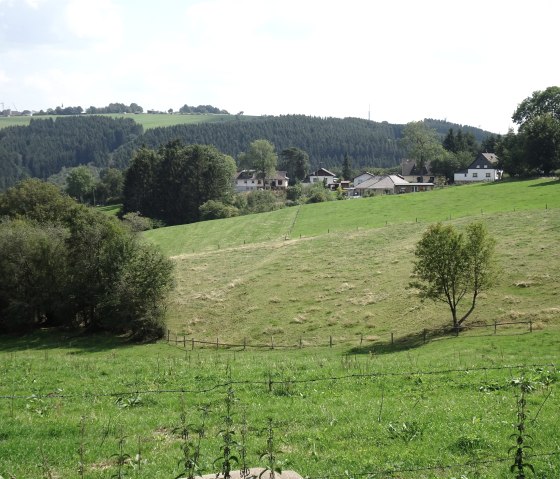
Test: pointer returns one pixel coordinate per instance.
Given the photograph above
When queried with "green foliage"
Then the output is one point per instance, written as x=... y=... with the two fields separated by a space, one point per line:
x=260 y=201
x=75 y=266
x=45 y=146
x=262 y=157
x=295 y=162
x=451 y=267
x=79 y=183
x=173 y=183
x=317 y=193
x=536 y=147
x=422 y=143
x=213 y=210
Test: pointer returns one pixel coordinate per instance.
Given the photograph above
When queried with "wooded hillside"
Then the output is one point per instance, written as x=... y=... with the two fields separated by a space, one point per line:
x=46 y=146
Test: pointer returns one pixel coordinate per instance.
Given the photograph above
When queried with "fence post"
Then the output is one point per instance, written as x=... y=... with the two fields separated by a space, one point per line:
x=495 y=327
x=330 y=341
x=168 y=336
x=361 y=339
x=217 y=343
x=244 y=344
x=424 y=335
x=300 y=343
x=271 y=342
x=530 y=325
x=192 y=343
x=185 y=342
x=392 y=340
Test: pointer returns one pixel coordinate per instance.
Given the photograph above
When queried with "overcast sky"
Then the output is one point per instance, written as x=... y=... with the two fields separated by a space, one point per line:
x=394 y=60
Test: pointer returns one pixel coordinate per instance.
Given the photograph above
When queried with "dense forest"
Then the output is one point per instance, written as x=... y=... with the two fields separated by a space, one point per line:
x=46 y=146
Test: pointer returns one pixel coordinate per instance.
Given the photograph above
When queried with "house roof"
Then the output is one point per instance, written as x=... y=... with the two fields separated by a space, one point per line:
x=409 y=168
x=382 y=182
x=322 y=172
x=484 y=160
x=252 y=175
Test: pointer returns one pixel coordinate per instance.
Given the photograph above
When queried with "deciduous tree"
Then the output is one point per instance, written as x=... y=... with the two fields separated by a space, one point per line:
x=455 y=268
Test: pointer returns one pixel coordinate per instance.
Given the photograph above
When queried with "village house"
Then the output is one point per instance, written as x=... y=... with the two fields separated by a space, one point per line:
x=483 y=168
x=322 y=175
x=247 y=180
x=415 y=174
x=389 y=185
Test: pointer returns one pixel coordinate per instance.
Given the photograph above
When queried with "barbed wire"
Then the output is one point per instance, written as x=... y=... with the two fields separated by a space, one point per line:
x=485 y=462
x=270 y=382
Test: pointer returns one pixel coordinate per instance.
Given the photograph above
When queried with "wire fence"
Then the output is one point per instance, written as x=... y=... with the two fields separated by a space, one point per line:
x=385 y=470
x=391 y=340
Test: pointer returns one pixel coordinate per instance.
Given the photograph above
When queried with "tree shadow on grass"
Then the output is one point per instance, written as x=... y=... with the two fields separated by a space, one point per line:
x=76 y=342
x=404 y=343
x=552 y=182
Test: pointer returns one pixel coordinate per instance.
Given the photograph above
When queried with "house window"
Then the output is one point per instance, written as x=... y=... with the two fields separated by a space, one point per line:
x=475 y=175
x=478 y=166
x=487 y=175
x=245 y=181
x=485 y=166
x=466 y=174
x=253 y=182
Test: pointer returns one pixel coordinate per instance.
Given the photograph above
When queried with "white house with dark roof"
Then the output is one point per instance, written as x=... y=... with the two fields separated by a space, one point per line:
x=483 y=168
x=322 y=175
x=247 y=180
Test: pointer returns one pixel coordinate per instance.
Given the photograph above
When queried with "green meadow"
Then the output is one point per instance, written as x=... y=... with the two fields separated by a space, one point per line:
x=146 y=120
x=309 y=277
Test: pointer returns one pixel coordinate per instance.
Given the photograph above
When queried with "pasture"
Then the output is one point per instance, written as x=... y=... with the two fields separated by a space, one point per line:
x=334 y=273
x=92 y=407
x=146 y=120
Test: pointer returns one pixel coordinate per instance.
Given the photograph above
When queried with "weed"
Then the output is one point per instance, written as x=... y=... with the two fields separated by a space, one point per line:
x=272 y=465
x=227 y=434
x=519 y=465
x=121 y=458
x=407 y=431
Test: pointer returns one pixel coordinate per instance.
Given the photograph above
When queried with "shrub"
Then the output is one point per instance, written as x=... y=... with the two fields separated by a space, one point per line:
x=213 y=210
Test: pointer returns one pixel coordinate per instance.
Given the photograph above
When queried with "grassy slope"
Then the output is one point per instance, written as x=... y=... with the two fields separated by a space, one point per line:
x=353 y=282
x=336 y=284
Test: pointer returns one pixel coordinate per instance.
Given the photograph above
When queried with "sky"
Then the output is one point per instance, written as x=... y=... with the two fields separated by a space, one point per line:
x=469 y=63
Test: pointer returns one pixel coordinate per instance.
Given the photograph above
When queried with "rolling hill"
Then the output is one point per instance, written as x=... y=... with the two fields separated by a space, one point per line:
x=342 y=269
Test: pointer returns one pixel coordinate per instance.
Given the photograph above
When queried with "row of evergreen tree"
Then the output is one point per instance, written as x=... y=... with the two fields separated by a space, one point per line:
x=46 y=146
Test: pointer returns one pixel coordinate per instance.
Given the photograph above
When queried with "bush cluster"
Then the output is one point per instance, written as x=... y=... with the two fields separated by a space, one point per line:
x=64 y=264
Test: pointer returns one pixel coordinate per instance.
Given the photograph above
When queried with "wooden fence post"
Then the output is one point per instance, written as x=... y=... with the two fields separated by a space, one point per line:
x=300 y=342
x=424 y=335
x=271 y=342
x=392 y=339
x=168 y=332
x=217 y=343
x=361 y=339
x=495 y=327
x=192 y=343
x=244 y=344
x=330 y=341
x=530 y=325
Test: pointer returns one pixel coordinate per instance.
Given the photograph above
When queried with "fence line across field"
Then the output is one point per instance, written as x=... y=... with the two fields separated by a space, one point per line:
x=270 y=382
x=423 y=335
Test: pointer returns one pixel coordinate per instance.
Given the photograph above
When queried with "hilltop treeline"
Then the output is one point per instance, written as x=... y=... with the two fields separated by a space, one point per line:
x=46 y=146
x=326 y=140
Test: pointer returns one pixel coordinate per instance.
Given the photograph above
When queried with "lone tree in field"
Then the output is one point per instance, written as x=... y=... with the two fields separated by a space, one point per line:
x=451 y=266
